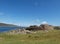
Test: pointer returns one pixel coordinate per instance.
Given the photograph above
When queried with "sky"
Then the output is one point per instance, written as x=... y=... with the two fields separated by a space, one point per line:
x=30 y=12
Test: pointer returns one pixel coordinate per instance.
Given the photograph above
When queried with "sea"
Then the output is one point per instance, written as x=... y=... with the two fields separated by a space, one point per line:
x=4 y=29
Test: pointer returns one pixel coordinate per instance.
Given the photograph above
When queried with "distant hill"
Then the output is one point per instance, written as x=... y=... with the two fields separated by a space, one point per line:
x=7 y=27
x=4 y=24
x=57 y=27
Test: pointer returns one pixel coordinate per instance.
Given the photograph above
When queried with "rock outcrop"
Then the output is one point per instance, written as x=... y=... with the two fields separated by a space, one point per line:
x=41 y=27
x=32 y=28
x=46 y=27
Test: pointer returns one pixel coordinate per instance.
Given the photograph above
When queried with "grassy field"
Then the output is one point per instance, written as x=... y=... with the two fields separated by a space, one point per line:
x=41 y=37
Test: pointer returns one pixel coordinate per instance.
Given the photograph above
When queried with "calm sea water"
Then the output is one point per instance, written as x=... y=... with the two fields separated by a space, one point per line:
x=3 y=29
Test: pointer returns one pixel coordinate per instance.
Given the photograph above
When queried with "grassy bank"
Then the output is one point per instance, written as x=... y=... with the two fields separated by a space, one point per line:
x=41 y=37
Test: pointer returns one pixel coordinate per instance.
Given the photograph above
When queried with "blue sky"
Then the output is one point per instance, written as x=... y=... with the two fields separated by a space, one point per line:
x=30 y=12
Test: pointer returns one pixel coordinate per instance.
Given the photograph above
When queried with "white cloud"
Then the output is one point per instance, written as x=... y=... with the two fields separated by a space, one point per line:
x=44 y=22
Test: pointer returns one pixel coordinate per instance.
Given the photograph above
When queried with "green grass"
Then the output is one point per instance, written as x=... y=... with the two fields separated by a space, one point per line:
x=41 y=37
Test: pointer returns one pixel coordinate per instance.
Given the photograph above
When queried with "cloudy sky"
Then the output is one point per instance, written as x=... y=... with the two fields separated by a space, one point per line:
x=30 y=12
